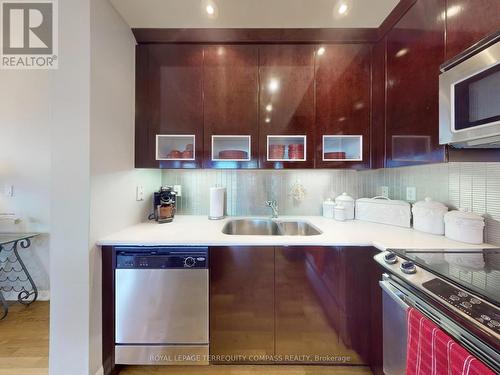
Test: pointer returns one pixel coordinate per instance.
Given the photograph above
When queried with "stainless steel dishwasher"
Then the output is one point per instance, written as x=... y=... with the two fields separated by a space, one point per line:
x=161 y=305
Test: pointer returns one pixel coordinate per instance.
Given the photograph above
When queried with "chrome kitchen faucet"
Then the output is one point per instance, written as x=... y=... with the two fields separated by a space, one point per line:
x=274 y=207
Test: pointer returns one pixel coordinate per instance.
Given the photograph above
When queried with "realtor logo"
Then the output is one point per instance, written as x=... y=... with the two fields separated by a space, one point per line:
x=29 y=34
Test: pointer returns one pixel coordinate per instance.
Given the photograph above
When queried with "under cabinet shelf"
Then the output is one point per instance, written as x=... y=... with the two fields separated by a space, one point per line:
x=231 y=147
x=175 y=147
x=342 y=148
x=286 y=148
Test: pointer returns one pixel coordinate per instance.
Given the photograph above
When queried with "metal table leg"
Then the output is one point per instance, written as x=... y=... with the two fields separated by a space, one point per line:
x=24 y=295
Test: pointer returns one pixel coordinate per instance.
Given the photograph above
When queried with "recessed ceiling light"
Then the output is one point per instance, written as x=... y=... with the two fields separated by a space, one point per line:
x=210 y=9
x=273 y=85
x=402 y=52
x=321 y=51
x=268 y=120
x=453 y=10
x=269 y=107
x=343 y=8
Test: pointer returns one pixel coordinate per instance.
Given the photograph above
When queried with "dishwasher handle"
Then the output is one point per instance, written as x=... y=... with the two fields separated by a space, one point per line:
x=393 y=293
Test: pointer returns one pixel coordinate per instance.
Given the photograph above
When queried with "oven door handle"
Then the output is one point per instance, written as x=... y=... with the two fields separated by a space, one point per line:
x=393 y=293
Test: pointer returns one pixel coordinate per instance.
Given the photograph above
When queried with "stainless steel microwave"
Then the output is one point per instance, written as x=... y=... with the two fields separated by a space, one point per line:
x=469 y=97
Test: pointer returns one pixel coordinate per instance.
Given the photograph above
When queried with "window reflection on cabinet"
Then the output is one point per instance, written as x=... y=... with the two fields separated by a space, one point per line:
x=175 y=147
x=342 y=148
x=286 y=148
x=231 y=147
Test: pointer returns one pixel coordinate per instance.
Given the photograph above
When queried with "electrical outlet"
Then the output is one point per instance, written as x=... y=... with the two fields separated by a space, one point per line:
x=139 y=193
x=384 y=191
x=9 y=190
x=411 y=193
x=178 y=190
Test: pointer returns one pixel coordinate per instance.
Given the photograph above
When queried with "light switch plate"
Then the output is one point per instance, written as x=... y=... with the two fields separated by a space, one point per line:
x=384 y=191
x=139 y=193
x=411 y=193
x=178 y=190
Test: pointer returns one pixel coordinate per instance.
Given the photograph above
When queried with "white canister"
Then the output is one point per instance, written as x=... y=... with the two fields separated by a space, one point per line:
x=328 y=208
x=347 y=202
x=384 y=211
x=428 y=216
x=464 y=226
x=340 y=212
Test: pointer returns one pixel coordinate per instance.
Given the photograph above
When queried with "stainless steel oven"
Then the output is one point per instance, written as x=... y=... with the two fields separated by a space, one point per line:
x=161 y=305
x=475 y=326
x=469 y=97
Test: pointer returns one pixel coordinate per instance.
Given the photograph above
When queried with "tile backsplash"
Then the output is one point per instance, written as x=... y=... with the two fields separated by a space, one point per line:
x=247 y=190
x=475 y=186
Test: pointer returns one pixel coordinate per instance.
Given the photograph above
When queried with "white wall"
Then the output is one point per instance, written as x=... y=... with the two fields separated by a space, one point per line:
x=113 y=179
x=25 y=164
x=93 y=172
x=69 y=262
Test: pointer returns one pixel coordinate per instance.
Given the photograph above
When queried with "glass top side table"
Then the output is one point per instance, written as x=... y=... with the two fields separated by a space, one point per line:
x=14 y=275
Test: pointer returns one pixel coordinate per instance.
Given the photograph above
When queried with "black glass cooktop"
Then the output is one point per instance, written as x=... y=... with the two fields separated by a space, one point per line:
x=483 y=313
x=476 y=270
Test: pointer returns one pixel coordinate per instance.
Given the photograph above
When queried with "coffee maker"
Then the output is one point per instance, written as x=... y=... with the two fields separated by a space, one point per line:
x=164 y=204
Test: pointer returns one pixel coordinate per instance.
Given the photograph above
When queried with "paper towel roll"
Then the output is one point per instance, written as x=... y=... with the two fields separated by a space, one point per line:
x=217 y=195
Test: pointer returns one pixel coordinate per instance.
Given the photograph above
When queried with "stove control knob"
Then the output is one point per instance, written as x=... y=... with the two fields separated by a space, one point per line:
x=189 y=262
x=390 y=258
x=494 y=323
x=408 y=267
x=462 y=294
x=485 y=317
x=475 y=301
x=467 y=305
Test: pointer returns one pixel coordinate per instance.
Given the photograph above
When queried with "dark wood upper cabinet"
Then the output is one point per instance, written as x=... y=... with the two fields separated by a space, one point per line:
x=468 y=21
x=231 y=94
x=286 y=101
x=343 y=87
x=169 y=102
x=415 y=49
x=378 y=105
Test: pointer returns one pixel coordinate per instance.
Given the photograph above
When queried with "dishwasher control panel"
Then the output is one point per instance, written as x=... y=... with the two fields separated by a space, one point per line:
x=161 y=257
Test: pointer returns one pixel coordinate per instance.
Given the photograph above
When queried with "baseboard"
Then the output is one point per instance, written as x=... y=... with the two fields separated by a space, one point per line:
x=43 y=295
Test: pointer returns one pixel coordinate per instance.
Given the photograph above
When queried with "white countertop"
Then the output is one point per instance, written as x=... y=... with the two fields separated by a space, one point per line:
x=189 y=230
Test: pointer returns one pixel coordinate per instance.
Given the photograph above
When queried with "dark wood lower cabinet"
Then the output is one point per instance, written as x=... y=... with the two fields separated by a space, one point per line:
x=241 y=304
x=312 y=322
x=295 y=304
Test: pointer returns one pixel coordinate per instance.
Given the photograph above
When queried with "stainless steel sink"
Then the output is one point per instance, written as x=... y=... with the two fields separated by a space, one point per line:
x=298 y=228
x=268 y=227
x=252 y=227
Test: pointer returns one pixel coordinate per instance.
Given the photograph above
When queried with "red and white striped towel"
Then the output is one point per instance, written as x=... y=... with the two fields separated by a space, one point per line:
x=430 y=351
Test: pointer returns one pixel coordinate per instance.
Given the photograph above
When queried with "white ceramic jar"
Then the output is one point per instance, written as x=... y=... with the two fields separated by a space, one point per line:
x=428 y=216
x=340 y=213
x=464 y=226
x=347 y=202
x=328 y=208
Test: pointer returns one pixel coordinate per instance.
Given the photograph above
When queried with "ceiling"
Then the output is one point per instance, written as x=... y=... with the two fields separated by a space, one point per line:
x=254 y=13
